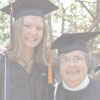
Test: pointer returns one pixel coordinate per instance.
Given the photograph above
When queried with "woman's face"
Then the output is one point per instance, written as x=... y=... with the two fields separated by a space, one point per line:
x=73 y=67
x=32 y=31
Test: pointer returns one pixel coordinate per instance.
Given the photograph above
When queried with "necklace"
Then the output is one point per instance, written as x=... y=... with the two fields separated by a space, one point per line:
x=28 y=65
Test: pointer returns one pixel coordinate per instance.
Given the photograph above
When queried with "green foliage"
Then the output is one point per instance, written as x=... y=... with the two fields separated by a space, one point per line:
x=4 y=26
x=76 y=19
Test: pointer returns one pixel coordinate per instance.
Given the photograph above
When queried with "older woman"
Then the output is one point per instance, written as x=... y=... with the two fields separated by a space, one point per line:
x=74 y=65
x=23 y=75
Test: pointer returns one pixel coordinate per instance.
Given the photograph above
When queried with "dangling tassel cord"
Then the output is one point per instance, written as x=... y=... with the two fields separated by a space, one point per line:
x=50 y=81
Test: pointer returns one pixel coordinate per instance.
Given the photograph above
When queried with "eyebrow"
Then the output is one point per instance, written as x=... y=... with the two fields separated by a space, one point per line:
x=26 y=23
x=77 y=56
x=65 y=57
x=39 y=25
x=73 y=56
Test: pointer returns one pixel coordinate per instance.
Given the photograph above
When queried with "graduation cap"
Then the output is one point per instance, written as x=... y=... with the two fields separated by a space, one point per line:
x=70 y=42
x=29 y=7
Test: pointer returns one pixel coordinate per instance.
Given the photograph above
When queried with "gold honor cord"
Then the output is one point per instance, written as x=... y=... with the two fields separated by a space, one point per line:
x=50 y=65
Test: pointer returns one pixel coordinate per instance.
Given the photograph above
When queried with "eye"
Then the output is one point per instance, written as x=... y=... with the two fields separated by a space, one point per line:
x=39 y=28
x=26 y=25
x=65 y=60
x=77 y=59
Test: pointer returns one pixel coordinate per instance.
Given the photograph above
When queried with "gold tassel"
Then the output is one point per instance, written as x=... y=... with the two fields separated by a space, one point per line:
x=50 y=81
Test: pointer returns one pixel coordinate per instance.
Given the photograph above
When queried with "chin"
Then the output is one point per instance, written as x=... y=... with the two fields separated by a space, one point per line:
x=31 y=45
x=74 y=78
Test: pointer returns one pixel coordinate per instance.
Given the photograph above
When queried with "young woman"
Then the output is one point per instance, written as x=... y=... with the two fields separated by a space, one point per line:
x=23 y=71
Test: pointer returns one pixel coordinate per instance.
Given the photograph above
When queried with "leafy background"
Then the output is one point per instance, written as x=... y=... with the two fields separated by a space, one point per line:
x=72 y=16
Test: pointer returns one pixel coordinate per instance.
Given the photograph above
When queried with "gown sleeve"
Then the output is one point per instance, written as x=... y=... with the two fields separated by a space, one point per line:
x=2 y=67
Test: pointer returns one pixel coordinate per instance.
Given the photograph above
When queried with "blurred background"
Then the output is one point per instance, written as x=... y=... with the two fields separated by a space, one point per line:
x=71 y=17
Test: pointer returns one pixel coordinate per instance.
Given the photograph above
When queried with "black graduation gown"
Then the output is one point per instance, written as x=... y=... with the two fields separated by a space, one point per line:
x=24 y=86
x=92 y=92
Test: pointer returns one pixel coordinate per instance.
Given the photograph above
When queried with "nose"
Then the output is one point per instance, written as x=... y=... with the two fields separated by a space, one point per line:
x=72 y=63
x=33 y=31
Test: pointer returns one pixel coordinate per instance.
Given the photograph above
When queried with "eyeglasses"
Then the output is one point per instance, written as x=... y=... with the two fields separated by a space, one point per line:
x=75 y=60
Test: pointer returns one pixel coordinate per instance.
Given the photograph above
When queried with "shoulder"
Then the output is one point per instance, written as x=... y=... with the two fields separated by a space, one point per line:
x=94 y=89
x=2 y=55
x=95 y=84
x=58 y=87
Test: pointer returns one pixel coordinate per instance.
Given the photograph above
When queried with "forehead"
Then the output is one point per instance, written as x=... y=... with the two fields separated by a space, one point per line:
x=33 y=19
x=76 y=53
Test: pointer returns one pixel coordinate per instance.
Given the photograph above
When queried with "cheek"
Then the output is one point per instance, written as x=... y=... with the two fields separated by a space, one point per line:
x=24 y=33
x=84 y=70
x=62 y=70
x=40 y=34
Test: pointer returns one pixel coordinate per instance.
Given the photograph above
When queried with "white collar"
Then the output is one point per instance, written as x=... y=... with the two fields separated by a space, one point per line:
x=83 y=85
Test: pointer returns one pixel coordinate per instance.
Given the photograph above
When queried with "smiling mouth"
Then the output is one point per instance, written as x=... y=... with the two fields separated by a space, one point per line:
x=31 y=39
x=72 y=72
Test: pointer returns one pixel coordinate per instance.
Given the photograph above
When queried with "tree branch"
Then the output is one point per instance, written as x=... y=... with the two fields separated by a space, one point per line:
x=97 y=21
x=86 y=8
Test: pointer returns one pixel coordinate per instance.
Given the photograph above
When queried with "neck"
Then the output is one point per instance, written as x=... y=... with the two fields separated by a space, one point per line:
x=81 y=86
x=27 y=55
x=74 y=84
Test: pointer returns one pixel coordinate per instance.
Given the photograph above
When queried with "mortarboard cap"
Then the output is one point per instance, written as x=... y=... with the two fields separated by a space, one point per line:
x=30 y=7
x=70 y=42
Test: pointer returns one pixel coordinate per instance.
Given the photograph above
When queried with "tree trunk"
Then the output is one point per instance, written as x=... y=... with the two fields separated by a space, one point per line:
x=63 y=21
x=50 y=28
x=98 y=12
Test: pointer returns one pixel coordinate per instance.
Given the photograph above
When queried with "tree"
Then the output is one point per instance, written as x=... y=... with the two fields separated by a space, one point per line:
x=72 y=16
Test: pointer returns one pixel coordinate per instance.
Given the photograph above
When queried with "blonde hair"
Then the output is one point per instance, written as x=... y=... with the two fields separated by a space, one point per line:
x=15 y=50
